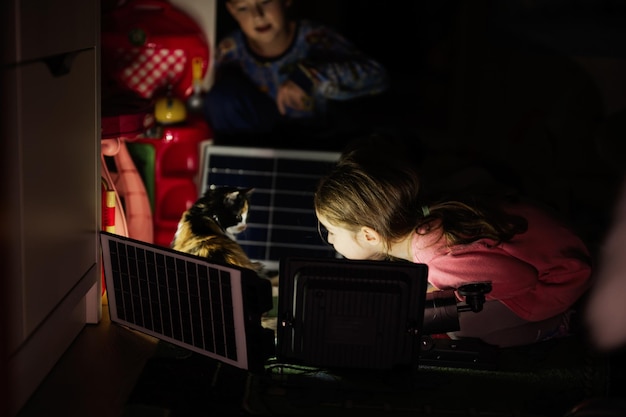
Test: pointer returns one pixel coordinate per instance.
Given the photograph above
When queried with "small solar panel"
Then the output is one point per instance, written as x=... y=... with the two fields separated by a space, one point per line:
x=207 y=308
x=282 y=219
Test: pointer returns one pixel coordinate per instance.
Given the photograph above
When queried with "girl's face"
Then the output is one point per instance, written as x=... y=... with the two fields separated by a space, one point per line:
x=361 y=244
x=262 y=21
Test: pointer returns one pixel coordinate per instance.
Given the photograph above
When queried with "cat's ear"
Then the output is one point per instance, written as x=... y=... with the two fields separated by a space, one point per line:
x=246 y=191
x=231 y=197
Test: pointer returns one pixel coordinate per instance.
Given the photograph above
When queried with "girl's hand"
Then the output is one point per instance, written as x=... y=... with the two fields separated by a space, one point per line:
x=291 y=95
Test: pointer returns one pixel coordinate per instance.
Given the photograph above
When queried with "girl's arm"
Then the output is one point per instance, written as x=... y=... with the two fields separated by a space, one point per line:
x=531 y=293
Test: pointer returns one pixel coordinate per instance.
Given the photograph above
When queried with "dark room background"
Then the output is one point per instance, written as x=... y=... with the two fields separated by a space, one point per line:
x=533 y=91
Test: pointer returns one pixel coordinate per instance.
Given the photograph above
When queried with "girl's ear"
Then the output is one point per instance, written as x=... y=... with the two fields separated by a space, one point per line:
x=370 y=235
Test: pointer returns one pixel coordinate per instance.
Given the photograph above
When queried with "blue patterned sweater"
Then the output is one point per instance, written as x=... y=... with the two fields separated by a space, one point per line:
x=321 y=61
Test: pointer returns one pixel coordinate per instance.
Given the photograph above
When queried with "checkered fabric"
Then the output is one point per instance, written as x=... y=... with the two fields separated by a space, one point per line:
x=147 y=70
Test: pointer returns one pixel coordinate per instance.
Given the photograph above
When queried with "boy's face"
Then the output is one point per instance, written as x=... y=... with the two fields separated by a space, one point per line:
x=260 y=20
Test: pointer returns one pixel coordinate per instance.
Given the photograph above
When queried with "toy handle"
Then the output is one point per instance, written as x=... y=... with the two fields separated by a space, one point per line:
x=197 y=68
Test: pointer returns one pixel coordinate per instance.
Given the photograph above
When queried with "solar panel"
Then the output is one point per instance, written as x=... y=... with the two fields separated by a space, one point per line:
x=207 y=308
x=282 y=220
x=333 y=313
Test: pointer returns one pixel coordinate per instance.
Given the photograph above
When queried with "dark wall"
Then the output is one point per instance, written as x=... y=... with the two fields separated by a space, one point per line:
x=530 y=91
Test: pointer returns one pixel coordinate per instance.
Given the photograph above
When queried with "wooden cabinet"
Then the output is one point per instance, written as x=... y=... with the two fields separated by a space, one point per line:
x=50 y=184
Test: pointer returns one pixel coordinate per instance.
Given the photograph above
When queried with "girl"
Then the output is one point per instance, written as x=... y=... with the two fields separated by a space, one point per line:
x=371 y=208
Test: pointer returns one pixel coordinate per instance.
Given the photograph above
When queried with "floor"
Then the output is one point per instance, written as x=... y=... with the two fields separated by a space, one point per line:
x=100 y=370
x=104 y=364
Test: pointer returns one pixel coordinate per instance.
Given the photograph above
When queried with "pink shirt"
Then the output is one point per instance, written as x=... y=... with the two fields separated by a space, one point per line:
x=538 y=274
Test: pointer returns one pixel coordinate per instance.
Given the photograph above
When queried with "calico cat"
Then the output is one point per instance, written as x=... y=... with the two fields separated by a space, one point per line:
x=209 y=226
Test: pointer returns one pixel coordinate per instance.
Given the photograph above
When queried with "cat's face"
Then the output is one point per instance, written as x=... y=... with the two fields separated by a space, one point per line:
x=228 y=206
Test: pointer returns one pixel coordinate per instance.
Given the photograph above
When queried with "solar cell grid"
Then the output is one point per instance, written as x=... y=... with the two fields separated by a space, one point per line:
x=177 y=298
x=282 y=220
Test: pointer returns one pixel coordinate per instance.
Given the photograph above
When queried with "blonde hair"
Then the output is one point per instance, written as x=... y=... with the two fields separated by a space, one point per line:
x=378 y=187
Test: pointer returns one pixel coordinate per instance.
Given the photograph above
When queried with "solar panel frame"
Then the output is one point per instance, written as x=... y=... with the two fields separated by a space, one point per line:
x=211 y=309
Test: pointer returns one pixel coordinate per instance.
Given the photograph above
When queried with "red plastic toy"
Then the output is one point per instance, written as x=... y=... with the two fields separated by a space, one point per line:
x=171 y=161
x=148 y=45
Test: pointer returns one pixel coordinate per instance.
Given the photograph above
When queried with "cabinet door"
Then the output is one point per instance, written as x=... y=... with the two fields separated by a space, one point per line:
x=54 y=210
x=59 y=136
x=52 y=27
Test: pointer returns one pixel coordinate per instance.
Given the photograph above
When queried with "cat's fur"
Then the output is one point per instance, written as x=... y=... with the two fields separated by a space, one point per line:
x=208 y=227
